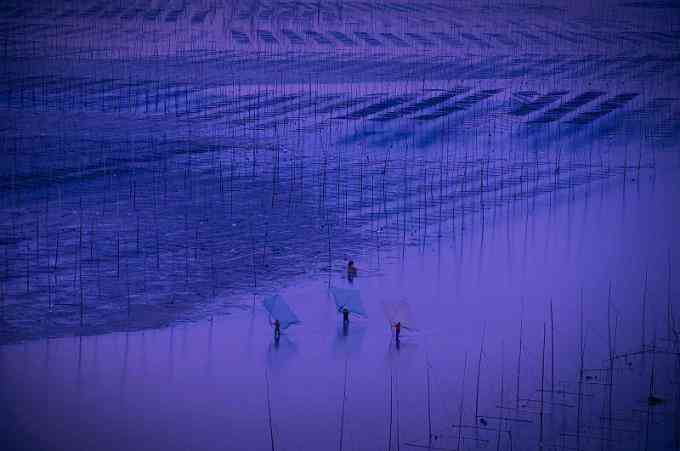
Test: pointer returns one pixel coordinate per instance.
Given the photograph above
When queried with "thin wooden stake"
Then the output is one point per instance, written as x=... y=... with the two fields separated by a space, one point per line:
x=269 y=411
x=540 y=436
x=429 y=409
x=342 y=415
x=519 y=356
x=552 y=352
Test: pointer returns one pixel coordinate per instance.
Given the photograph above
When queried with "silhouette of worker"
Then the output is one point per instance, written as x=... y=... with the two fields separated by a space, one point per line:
x=345 y=315
x=351 y=271
x=277 y=329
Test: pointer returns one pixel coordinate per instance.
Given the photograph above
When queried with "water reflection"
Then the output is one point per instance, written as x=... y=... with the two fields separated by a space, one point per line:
x=280 y=353
x=349 y=338
x=144 y=390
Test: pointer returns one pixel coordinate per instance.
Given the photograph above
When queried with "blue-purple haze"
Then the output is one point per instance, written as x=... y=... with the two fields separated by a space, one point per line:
x=505 y=175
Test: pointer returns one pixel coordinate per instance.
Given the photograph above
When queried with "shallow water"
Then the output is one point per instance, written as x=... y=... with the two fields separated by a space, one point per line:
x=203 y=385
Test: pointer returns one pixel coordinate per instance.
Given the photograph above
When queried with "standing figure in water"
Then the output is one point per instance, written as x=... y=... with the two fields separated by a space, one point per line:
x=351 y=271
x=397 y=331
x=277 y=329
x=345 y=316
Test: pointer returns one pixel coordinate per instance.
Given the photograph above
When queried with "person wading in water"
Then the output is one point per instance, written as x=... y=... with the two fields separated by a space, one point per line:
x=351 y=271
x=277 y=329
